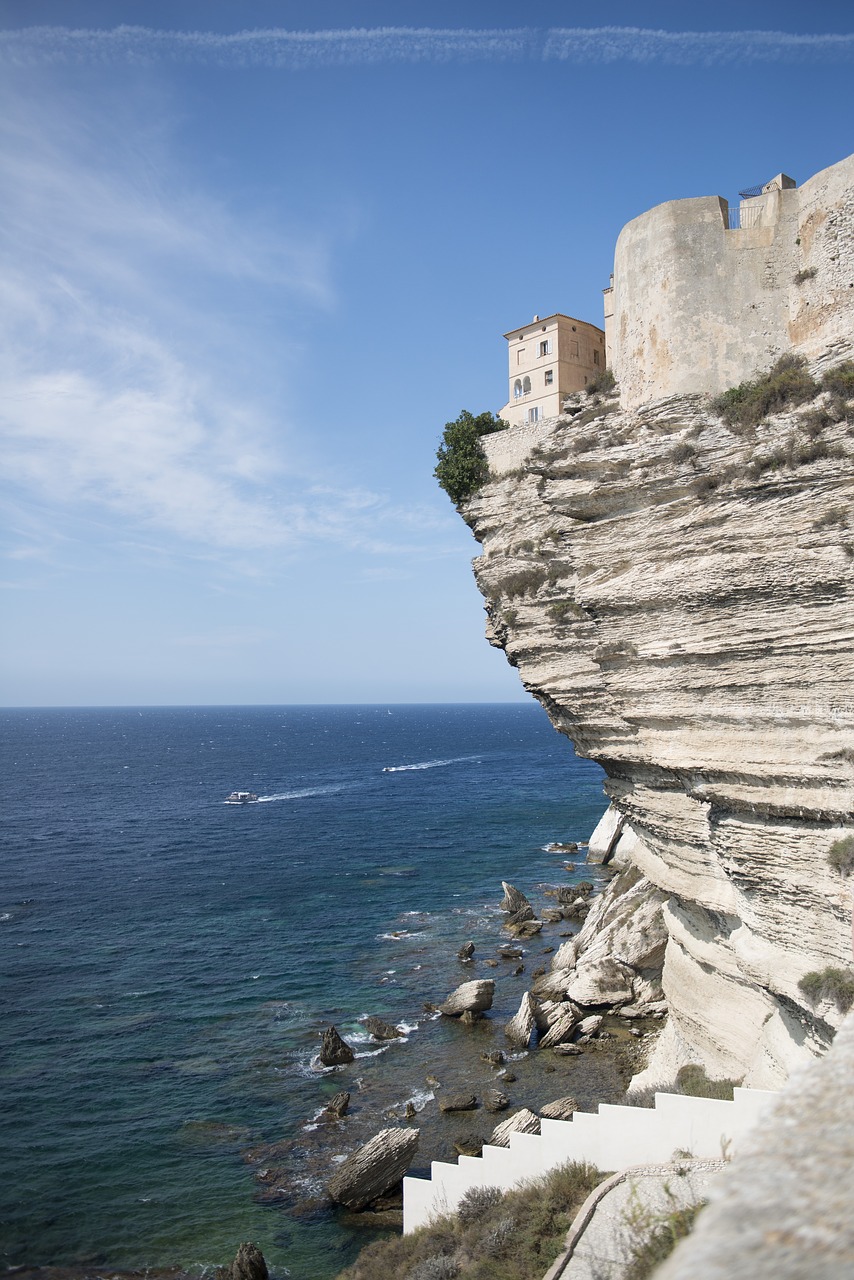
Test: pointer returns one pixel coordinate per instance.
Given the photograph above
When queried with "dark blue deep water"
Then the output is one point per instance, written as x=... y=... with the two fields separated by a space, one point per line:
x=167 y=961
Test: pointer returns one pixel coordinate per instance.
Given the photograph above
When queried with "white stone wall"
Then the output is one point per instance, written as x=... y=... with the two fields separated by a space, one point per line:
x=506 y=450
x=698 y=307
x=615 y=1138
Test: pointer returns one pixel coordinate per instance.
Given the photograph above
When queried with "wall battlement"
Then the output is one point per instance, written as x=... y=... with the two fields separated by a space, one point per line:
x=698 y=306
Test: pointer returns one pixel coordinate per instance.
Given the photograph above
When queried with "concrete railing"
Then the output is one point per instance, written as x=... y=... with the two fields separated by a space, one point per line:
x=613 y=1138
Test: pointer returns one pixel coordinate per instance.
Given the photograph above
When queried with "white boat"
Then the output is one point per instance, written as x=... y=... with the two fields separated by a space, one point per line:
x=241 y=797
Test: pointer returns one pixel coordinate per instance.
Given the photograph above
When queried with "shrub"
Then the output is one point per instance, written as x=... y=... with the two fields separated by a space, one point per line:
x=561 y=610
x=841 y=855
x=829 y=984
x=524 y=582
x=705 y=485
x=477 y=1202
x=833 y=516
x=693 y=1081
x=787 y=383
x=840 y=381
x=514 y=1236
x=604 y=381
x=439 y=1267
x=684 y=451
x=808 y=273
x=660 y=1242
x=461 y=467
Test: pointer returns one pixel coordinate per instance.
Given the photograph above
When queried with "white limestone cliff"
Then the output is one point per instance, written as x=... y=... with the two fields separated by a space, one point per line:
x=684 y=614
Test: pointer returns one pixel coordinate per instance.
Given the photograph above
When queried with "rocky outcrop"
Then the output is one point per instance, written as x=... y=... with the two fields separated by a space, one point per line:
x=522 y=1121
x=677 y=596
x=248 y=1264
x=374 y=1169
x=472 y=997
x=520 y=1028
x=334 y=1052
x=560 y=1109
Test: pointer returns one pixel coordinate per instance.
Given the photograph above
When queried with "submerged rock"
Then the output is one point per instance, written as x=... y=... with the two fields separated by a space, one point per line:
x=471 y=997
x=376 y=1167
x=458 y=1102
x=334 y=1052
x=495 y=1100
x=471 y=1144
x=381 y=1030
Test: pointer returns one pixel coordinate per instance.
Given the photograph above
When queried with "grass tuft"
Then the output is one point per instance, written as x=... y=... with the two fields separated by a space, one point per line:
x=787 y=383
x=829 y=984
x=841 y=855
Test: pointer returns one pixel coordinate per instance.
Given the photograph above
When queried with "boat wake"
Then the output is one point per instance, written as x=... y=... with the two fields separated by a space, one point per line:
x=427 y=764
x=304 y=794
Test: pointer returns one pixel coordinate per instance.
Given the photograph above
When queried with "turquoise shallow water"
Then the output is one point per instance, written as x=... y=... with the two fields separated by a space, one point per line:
x=168 y=960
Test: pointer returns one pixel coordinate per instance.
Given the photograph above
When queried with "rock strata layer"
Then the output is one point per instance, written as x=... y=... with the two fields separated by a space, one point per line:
x=677 y=596
x=374 y=1169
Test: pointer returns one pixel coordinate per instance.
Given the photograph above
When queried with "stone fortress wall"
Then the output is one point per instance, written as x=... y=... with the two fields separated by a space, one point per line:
x=698 y=307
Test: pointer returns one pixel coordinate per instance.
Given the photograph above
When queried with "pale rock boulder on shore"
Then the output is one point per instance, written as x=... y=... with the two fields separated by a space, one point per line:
x=374 y=1169
x=521 y=1027
x=471 y=997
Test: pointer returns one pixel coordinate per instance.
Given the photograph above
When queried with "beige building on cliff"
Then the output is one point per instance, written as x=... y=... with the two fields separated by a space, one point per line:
x=548 y=360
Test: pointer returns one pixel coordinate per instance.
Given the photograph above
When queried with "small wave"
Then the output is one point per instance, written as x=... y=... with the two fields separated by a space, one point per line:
x=428 y=764
x=419 y=1099
x=6 y=915
x=398 y=935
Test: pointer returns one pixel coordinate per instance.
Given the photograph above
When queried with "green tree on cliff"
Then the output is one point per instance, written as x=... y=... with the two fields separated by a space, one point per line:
x=462 y=466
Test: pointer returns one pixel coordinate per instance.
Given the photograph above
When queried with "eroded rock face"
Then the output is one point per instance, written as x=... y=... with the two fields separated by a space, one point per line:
x=334 y=1052
x=520 y=1028
x=248 y=1264
x=678 y=599
x=522 y=1121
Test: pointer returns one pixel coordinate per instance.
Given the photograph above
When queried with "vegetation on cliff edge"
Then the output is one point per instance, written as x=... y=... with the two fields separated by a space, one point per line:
x=462 y=467
x=515 y=1236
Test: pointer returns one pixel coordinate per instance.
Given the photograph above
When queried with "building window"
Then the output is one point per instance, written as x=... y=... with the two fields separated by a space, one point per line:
x=573 y=346
x=517 y=388
x=550 y=377
x=546 y=347
x=520 y=355
x=534 y=413
x=526 y=385
x=595 y=357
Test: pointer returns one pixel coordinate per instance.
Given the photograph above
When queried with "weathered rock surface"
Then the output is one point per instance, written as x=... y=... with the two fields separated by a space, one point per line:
x=513 y=899
x=520 y=1028
x=522 y=1121
x=561 y=1029
x=334 y=1052
x=338 y=1105
x=560 y=1109
x=374 y=1168
x=685 y=617
x=248 y=1264
x=466 y=951
x=380 y=1029
x=471 y=997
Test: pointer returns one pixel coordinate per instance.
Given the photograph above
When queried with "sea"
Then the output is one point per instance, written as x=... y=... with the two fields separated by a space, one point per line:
x=168 y=961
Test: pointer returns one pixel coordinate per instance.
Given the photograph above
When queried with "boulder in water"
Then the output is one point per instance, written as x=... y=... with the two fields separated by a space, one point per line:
x=523 y=1121
x=560 y=1109
x=334 y=1052
x=338 y=1105
x=248 y=1264
x=513 y=899
x=466 y=951
x=372 y=1170
x=471 y=997
x=380 y=1029
x=457 y=1102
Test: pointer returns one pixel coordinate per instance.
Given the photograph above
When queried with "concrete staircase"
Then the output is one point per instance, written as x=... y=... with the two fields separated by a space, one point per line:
x=611 y=1139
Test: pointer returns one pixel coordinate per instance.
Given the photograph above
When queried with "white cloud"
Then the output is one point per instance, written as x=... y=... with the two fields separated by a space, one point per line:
x=123 y=391
x=302 y=50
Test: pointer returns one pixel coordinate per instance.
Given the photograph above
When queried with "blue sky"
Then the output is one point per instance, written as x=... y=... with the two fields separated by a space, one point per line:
x=253 y=257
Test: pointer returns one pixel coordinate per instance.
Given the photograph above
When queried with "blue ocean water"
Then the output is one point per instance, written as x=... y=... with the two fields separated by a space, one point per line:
x=167 y=961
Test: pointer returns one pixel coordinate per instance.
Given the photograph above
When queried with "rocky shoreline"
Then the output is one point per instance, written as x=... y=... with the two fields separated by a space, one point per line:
x=588 y=973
